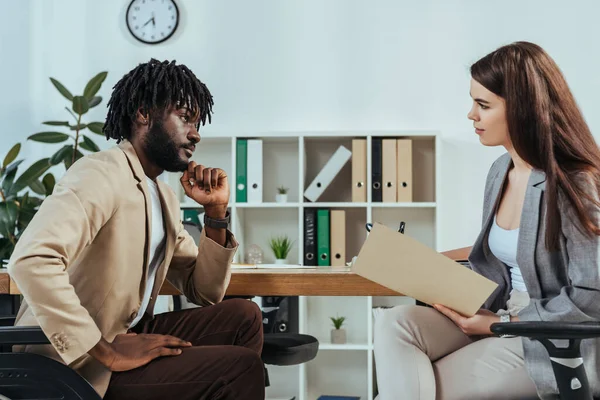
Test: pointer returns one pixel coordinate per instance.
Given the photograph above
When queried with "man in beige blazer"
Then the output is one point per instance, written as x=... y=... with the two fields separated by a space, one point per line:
x=92 y=260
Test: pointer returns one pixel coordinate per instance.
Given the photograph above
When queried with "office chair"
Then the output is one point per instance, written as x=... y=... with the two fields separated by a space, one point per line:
x=567 y=362
x=281 y=349
x=33 y=376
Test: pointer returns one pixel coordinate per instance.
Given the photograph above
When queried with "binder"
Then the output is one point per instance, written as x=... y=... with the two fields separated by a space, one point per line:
x=323 y=238
x=310 y=237
x=359 y=170
x=326 y=175
x=404 y=172
x=338 y=238
x=241 y=165
x=376 y=193
x=255 y=171
x=388 y=170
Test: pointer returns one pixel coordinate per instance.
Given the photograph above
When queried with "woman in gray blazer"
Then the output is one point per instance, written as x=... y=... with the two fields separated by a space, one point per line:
x=539 y=241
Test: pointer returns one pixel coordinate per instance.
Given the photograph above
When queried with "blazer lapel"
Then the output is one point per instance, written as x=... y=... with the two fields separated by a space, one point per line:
x=142 y=185
x=491 y=203
x=528 y=231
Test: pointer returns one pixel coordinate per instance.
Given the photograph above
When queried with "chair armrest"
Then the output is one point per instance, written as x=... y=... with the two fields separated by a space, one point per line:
x=548 y=330
x=10 y=335
x=461 y=254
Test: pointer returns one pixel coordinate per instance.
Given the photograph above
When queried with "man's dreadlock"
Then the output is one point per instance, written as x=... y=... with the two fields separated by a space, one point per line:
x=153 y=86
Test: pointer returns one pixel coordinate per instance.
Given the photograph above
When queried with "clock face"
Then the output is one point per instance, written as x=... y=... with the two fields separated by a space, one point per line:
x=152 y=21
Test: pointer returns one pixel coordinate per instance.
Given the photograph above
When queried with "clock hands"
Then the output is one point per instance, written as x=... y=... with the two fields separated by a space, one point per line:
x=151 y=19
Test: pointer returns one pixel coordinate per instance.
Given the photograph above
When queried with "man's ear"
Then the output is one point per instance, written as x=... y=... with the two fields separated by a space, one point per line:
x=142 y=117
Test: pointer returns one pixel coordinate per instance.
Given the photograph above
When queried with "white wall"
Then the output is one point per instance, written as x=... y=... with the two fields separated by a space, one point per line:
x=310 y=65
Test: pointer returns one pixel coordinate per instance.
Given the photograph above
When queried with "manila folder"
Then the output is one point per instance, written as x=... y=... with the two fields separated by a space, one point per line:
x=403 y=264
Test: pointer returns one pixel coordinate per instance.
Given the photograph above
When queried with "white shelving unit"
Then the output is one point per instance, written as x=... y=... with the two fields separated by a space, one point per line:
x=293 y=159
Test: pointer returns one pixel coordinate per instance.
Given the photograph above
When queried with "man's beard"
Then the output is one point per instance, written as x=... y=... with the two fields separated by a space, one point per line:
x=161 y=149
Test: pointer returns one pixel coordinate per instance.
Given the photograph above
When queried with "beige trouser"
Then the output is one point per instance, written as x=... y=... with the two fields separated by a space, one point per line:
x=422 y=355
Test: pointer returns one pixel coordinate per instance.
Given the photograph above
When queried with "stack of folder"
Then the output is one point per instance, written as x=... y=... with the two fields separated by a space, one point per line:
x=324 y=237
x=391 y=170
x=249 y=171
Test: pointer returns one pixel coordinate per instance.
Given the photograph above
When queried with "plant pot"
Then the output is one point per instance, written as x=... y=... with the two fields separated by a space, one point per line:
x=281 y=261
x=281 y=198
x=338 y=336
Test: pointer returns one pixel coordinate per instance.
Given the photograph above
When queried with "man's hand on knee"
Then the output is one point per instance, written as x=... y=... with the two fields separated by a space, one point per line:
x=129 y=350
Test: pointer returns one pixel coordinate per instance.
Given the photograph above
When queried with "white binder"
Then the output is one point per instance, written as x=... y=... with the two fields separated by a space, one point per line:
x=255 y=171
x=326 y=175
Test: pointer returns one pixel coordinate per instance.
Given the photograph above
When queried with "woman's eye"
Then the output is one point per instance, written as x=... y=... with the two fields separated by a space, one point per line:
x=483 y=107
x=184 y=118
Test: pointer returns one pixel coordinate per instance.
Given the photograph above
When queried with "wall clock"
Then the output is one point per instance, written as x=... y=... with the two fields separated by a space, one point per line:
x=152 y=21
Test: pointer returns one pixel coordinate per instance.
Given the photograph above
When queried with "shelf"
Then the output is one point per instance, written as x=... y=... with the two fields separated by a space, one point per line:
x=347 y=346
x=405 y=205
x=335 y=204
x=267 y=205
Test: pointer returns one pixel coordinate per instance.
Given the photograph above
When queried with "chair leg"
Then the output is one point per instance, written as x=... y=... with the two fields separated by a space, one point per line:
x=569 y=371
x=267 y=382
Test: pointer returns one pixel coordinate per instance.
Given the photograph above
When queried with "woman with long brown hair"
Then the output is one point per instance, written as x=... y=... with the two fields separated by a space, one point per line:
x=539 y=241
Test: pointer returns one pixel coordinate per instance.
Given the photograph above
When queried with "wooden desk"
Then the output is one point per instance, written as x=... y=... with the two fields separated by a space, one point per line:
x=277 y=282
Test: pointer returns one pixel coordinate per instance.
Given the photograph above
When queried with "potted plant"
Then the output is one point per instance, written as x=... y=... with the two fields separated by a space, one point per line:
x=281 y=247
x=17 y=206
x=80 y=105
x=338 y=335
x=281 y=196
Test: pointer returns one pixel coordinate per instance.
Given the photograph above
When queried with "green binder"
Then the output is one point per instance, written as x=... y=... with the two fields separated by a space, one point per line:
x=324 y=259
x=241 y=169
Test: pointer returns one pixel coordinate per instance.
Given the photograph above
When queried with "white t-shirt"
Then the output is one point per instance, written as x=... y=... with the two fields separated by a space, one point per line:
x=503 y=244
x=157 y=246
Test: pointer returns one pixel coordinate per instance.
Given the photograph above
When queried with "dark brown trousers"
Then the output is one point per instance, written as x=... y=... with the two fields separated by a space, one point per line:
x=223 y=364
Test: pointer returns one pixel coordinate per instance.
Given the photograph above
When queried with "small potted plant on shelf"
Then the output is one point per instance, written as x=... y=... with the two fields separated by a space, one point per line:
x=281 y=196
x=338 y=335
x=281 y=247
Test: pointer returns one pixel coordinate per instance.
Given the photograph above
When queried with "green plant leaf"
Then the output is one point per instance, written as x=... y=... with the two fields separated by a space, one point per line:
x=68 y=160
x=94 y=101
x=56 y=123
x=281 y=246
x=58 y=157
x=94 y=84
x=8 y=217
x=80 y=105
x=9 y=178
x=49 y=181
x=63 y=90
x=96 y=127
x=88 y=144
x=38 y=187
x=75 y=127
x=6 y=249
x=49 y=137
x=31 y=174
x=11 y=155
x=28 y=208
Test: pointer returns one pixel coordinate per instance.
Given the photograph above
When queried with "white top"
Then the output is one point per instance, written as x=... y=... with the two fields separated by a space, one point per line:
x=503 y=244
x=157 y=246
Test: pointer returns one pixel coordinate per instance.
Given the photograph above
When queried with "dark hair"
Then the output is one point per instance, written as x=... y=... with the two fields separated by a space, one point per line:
x=546 y=129
x=153 y=87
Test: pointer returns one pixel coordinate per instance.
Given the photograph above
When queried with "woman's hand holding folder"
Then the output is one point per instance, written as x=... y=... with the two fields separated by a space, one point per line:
x=478 y=324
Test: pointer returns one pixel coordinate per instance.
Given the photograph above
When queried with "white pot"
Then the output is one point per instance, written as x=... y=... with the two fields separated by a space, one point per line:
x=281 y=198
x=281 y=261
x=338 y=336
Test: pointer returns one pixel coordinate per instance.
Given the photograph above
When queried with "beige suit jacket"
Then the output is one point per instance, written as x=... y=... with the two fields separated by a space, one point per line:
x=82 y=262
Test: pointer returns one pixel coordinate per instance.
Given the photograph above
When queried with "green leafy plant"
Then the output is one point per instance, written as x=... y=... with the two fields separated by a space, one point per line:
x=80 y=105
x=337 y=322
x=282 y=190
x=281 y=246
x=17 y=206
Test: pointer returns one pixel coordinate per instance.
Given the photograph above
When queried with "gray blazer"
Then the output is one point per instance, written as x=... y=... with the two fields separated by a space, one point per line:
x=563 y=285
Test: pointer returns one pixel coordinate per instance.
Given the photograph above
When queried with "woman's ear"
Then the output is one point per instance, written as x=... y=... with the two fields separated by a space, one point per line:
x=141 y=117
